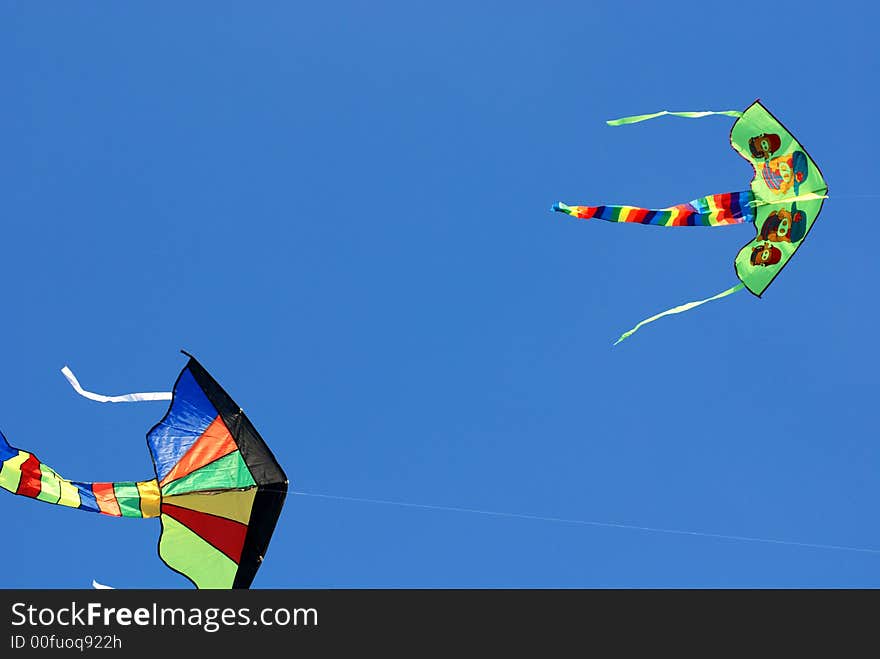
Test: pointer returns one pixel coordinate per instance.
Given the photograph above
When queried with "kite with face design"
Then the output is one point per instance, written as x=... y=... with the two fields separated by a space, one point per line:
x=783 y=201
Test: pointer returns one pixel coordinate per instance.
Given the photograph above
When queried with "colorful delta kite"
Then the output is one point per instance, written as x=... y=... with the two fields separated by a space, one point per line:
x=218 y=489
x=783 y=201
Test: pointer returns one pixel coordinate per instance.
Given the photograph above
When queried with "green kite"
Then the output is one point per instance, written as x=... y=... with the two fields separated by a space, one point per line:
x=783 y=201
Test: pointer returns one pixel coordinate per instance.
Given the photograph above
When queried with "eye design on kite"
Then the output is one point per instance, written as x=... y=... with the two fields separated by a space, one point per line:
x=764 y=145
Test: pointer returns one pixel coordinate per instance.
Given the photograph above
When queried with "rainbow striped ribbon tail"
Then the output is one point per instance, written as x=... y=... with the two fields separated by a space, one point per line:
x=22 y=473
x=712 y=211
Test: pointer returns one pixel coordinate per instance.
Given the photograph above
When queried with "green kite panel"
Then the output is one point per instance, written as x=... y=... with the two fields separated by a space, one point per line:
x=783 y=201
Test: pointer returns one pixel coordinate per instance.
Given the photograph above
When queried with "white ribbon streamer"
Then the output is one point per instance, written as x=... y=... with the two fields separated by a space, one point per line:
x=125 y=398
x=680 y=309
x=100 y=586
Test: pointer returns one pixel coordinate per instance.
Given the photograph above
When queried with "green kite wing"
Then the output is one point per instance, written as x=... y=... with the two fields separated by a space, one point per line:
x=783 y=201
x=788 y=190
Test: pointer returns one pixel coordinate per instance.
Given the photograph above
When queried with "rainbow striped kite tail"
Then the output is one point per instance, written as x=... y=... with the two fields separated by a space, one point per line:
x=6 y=451
x=580 y=212
x=559 y=207
x=22 y=473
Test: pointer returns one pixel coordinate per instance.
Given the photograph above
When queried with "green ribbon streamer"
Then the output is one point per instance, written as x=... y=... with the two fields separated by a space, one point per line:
x=680 y=309
x=690 y=115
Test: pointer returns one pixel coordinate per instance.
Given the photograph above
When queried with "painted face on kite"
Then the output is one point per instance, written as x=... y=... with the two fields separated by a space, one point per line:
x=784 y=226
x=765 y=145
x=785 y=173
x=783 y=201
x=764 y=255
x=781 y=231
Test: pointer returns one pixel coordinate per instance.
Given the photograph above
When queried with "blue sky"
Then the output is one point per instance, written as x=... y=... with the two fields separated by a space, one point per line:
x=343 y=210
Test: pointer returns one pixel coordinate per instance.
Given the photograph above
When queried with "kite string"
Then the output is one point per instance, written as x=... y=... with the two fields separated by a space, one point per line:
x=855 y=196
x=581 y=522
